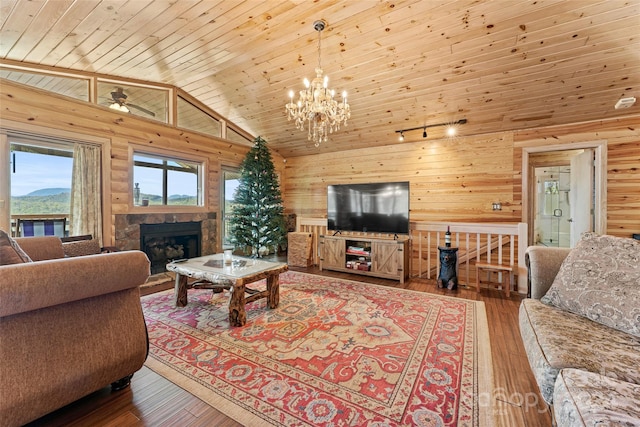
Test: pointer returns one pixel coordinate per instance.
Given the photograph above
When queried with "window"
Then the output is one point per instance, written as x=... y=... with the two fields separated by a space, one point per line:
x=148 y=102
x=74 y=87
x=40 y=182
x=192 y=117
x=160 y=180
x=235 y=136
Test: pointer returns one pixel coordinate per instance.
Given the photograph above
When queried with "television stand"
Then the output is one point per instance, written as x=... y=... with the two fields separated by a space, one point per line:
x=379 y=257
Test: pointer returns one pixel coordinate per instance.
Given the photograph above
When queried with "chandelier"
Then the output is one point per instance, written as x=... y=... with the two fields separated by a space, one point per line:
x=316 y=109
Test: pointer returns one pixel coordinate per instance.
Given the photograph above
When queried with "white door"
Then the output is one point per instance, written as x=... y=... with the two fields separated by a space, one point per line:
x=581 y=194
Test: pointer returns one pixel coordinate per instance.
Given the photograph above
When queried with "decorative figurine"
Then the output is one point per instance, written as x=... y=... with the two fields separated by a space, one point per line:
x=448 y=276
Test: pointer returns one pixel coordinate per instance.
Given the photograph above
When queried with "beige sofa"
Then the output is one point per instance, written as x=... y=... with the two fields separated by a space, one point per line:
x=581 y=330
x=68 y=326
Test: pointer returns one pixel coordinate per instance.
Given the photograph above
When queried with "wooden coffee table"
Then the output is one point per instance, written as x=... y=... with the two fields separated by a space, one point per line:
x=212 y=273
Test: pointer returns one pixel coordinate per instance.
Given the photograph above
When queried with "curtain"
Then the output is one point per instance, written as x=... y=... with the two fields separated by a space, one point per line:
x=86 y=201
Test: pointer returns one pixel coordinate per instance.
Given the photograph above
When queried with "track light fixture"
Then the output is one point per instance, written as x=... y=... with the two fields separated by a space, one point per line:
x=451 y=129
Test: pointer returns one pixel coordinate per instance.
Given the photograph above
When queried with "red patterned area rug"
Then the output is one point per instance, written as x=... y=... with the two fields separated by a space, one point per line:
x=334 y=353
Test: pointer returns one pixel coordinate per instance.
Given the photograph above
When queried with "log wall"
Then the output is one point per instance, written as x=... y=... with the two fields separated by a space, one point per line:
x=451 y=179
x=41 y=112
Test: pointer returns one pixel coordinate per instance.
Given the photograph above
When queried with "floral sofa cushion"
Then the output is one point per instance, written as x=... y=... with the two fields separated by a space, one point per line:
x=555 y=339
x=600 y=280
x=587 y=399
x=10 y=252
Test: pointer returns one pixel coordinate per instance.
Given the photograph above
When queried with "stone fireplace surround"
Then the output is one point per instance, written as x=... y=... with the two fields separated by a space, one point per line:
x=127 y=228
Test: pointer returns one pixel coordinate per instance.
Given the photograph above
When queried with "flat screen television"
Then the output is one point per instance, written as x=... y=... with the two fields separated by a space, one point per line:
x=381 y=207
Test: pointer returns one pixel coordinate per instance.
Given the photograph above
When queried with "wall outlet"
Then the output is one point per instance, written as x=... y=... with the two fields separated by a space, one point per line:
x=496 y=206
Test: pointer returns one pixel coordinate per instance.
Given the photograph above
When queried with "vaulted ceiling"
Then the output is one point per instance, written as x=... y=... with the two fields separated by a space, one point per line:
x=501 y=64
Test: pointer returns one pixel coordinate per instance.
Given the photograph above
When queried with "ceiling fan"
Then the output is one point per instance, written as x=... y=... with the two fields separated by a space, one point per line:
x=120 y=103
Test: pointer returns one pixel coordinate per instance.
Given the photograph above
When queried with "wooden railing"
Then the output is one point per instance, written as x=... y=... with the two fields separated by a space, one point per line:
x=487 y=242
x=503 y=243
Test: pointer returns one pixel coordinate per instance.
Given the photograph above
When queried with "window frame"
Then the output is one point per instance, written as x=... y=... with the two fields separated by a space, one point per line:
x=203 y=110
x=12 y=130
x=169 y=155
x=109 y=84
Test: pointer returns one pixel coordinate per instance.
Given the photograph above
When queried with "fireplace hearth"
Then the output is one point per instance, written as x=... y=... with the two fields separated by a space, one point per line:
x=167 y=242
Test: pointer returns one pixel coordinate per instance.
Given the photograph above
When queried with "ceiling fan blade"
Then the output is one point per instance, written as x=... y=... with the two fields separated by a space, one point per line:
x=144 y=110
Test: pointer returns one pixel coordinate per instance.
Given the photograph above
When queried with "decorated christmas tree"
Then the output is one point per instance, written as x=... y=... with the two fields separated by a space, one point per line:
x=257 y=224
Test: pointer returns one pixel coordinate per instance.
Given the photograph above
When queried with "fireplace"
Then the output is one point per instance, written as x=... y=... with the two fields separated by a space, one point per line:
x=166 y=242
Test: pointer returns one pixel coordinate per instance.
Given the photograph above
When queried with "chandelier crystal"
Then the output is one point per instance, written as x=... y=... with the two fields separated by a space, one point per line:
x=316 y=109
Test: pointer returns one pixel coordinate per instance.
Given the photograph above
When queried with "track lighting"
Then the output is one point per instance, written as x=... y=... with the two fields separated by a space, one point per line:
x=451 y=130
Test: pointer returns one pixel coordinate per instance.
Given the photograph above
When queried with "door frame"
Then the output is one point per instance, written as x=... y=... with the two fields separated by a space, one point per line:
x=224 y=168
x=600 y=182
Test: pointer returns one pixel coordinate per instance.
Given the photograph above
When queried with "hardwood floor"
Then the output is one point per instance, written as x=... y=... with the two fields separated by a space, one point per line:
x=154 y=401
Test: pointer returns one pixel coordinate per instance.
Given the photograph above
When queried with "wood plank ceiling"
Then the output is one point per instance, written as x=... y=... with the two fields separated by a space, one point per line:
x=501 y=64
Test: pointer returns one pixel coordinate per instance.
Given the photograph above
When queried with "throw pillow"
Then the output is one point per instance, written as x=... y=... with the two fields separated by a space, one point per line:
x=81 y=248
x=600 y=280
x=10 y=252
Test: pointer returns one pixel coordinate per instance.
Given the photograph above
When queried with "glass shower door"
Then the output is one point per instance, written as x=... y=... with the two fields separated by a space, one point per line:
x=553 y=210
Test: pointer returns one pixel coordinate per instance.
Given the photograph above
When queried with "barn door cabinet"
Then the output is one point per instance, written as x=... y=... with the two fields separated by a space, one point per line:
x=379 y=257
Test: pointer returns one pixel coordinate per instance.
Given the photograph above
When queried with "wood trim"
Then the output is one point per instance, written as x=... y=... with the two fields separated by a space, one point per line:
x=198 y=104
x=5 y=192
x=47 y=70
x=205 y=181
x=9 y=126
x=600 y=177
x=94 y=78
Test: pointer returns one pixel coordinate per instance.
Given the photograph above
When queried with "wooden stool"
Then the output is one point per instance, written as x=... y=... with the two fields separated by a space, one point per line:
x=488 y=267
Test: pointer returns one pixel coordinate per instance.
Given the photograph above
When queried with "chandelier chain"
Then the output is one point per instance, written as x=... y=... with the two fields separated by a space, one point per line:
x=319 y=47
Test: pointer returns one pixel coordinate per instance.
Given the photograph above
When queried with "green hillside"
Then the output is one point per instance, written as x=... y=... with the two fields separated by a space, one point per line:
x=59 y=203
x=32 y=205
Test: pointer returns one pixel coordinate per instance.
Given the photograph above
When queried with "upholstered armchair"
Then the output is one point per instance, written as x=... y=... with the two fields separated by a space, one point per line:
x=69 y=325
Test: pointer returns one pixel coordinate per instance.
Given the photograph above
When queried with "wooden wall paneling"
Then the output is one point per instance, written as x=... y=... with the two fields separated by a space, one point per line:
x=623 y=163
x=438 y=191
x=621 y=129
x=431 y=166
x=42 y=110
x=623 y=198
x=452 y=179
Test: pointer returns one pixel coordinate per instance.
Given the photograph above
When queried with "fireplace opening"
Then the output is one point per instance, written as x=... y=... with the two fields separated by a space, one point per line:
x=167 y=242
